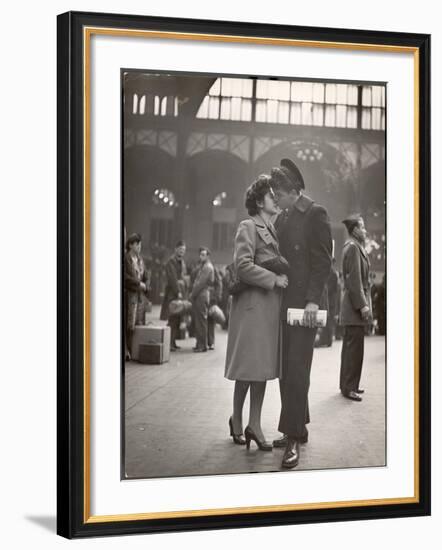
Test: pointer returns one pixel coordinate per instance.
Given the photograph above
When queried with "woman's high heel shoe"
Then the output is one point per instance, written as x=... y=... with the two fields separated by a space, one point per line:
x=262 y=445
x=238 y=439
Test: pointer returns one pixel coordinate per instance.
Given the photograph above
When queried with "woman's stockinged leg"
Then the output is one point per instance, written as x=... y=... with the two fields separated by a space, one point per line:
x=257 y=391
x=239 y=396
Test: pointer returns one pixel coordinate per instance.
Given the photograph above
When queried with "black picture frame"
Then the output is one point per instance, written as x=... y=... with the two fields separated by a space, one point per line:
x=73 y=516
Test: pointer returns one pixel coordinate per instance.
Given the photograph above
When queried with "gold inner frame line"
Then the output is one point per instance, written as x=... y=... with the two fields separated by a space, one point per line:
x=87 y=33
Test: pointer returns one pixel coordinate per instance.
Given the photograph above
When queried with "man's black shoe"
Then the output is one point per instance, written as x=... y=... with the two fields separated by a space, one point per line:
x=281 y=442
x=291 y=455
x=359 y=390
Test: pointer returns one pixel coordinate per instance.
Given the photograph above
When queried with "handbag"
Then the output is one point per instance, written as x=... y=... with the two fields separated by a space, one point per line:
x=278 y=265
x=234 y=283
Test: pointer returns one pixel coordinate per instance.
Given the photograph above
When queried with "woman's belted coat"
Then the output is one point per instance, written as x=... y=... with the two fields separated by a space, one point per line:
x=253 y=345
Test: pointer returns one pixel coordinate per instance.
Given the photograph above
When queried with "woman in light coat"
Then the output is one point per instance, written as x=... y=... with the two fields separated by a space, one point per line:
x=253 y=345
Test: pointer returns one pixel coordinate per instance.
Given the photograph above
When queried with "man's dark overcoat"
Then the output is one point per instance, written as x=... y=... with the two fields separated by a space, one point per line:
x=304 y=234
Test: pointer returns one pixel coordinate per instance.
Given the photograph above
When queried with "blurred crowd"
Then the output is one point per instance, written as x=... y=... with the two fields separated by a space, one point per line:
x=194 y=295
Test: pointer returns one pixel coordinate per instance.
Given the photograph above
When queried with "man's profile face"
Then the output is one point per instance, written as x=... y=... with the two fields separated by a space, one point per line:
x=359 y=231
x=285 y=199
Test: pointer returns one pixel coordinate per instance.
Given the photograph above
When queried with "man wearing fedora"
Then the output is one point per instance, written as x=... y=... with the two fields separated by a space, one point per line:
x=356 y=311
x=304 y=233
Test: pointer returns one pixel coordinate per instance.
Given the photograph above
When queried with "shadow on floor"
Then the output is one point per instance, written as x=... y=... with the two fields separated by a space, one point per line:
x=47 y=522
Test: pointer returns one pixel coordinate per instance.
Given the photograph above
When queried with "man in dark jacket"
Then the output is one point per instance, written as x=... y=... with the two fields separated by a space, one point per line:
x=356 y=309
x=175 y=287
x=305 y=241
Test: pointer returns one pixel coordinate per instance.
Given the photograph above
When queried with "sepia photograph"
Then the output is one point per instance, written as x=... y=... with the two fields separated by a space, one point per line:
x=253 y=274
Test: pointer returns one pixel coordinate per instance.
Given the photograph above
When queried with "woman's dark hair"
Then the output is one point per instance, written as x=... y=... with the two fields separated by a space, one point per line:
x=256 y=192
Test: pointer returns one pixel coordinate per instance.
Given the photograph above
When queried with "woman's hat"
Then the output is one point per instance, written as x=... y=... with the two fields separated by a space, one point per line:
x=291 y=171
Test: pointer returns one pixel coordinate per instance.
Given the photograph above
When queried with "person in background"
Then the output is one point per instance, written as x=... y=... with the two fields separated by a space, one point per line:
x=136 y=288
x=228 y=277
x=380 y=306
x=200 y=297
x=339 y=329
x=328 y=332
x=356 y=310
x=175 y=288
x=215 y=298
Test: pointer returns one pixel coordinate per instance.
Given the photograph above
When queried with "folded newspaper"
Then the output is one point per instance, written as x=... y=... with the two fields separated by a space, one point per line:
x=296 y=315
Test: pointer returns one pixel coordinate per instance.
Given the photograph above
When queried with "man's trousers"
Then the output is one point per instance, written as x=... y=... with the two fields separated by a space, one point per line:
x=352 y=356
x=200 y=313
x=297 y=355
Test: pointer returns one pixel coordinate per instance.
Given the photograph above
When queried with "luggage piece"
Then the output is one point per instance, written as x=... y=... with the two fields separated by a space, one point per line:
x=216 y=313
x=179 y=307
x=148 y=334
x=151 y=354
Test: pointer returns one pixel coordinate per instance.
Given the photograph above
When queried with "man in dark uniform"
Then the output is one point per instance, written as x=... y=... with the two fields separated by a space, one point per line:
x=175 y=288
x=305 y=241
x=355 y=308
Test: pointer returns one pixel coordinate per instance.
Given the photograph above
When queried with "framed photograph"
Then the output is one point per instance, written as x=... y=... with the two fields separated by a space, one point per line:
x=243 y=274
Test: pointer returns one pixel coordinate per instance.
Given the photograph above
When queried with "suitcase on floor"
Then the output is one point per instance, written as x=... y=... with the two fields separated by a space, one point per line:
x=151 y=334
x=151 y=354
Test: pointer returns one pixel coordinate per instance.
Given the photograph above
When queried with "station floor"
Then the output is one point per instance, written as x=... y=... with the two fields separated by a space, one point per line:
x=176 y=416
